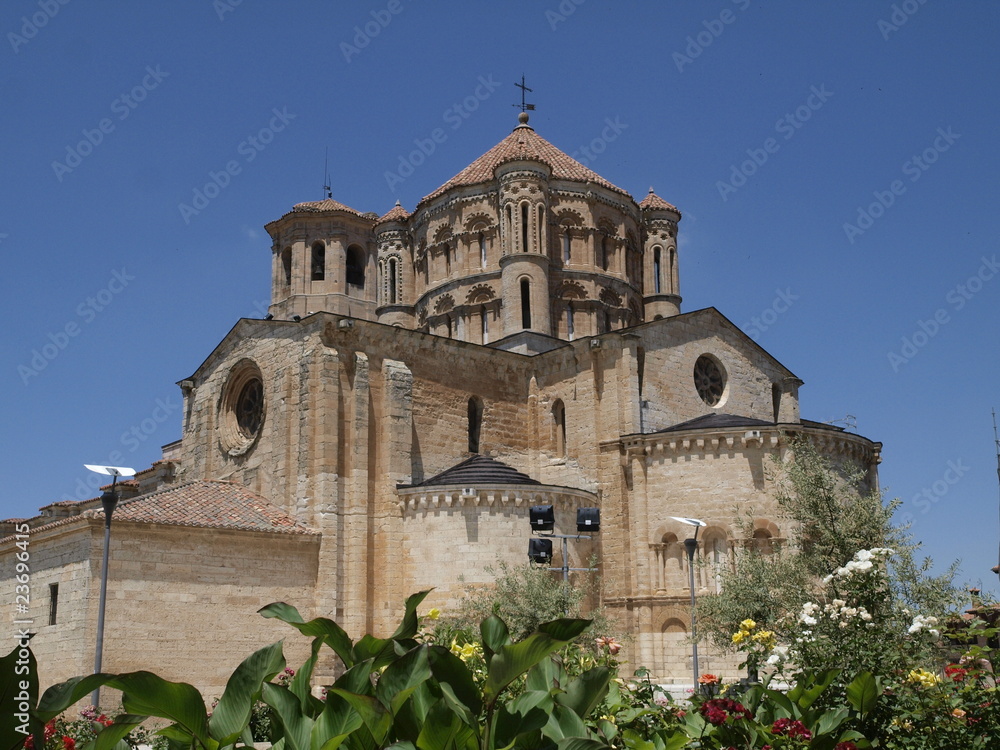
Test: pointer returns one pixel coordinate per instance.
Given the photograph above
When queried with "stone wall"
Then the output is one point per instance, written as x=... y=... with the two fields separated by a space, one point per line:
x=181 y=601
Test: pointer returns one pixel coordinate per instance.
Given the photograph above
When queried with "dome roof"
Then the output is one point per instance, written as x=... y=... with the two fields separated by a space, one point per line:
x=523 y=143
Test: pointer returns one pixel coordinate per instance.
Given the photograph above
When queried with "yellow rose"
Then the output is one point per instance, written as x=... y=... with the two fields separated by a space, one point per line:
x=766 y=638
x=434 y=614
x=738 y=637
x=923 y=677
x=748 y=625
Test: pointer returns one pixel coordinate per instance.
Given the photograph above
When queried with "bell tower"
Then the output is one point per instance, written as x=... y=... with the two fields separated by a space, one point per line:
x=661 y=279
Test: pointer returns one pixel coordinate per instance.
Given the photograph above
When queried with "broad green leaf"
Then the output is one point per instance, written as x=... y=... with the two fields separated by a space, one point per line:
x=563 y=723
x=460 y=708
x=301 y=682
x=401 y=677
x=634 y=741
x=565 y=628
x=410 y=623
x=511 y=661
x=357 y=679
x=58 y=698
x=411 y=714
x=511 y=722
x=379 y=650
x=530 y=700
x=232 y=713
x=863 y=693
x=451 y=672
x=375 y=716
x=580 y=743
x=495 y=635
x=608 y=729
x=676 y=741
x=440 y=729
x=830 y=720
x=785 y=707
x=548 y=675
x=805 y=692
x=147 y=694
x=586 y=691
x=110 y=736
x=333 y=635
x=296 y=726
x=337 y=721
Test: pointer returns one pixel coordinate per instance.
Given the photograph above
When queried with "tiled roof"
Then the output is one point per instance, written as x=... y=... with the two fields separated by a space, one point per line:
x=476 y=471
x=523 y=143
x=655 y=202
x=328 y=204
x=209 y=504
x=396 y=213
x=717 y=421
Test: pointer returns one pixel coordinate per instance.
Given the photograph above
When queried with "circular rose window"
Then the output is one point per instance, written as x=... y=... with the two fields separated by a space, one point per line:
x=709 y=379
x=242 y=409
x=250 y=408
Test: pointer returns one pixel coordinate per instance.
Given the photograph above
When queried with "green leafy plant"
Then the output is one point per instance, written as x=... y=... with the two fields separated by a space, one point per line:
x=394 y=691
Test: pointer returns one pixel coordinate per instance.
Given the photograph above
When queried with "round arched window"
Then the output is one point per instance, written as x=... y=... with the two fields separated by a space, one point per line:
x=709 y=379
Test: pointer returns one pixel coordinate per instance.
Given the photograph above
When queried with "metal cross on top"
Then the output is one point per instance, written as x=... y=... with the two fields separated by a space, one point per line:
x=524 y=89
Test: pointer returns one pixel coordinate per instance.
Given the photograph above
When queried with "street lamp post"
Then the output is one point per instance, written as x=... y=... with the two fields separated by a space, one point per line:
x=691 y=545
x=109 y=500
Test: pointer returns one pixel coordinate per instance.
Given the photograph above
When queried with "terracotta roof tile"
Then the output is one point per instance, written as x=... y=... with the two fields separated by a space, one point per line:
x=210 y=504
x=396 y=213
x=655 y=202
x=327 y=204
x=523 y=143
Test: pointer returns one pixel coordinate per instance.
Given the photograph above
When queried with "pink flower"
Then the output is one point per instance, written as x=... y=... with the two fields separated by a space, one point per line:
x=609 y=643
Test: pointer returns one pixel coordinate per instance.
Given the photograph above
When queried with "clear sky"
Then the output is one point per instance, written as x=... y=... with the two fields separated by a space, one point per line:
x=836 y=164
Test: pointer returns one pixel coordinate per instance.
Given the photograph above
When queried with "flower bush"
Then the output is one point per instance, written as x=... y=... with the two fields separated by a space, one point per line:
x=64 y=733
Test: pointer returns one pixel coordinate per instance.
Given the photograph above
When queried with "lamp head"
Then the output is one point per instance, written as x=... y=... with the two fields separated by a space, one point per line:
x=109 y=501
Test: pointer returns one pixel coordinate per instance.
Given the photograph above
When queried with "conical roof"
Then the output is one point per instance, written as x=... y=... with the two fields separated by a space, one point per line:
x=476 y=470
x=523 y=143
x=396 y=213
x=654 y=202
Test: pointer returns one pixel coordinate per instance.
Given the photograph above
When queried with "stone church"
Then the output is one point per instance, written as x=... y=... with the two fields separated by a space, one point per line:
x=421 y=381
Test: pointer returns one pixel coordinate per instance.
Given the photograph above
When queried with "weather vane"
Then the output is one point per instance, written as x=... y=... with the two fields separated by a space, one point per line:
x=524 y=89
x=327 y=192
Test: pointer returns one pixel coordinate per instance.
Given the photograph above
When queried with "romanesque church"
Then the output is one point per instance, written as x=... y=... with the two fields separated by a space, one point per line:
x=424 y=378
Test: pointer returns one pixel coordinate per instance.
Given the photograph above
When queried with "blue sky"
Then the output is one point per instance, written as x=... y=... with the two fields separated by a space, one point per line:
x=836 y=165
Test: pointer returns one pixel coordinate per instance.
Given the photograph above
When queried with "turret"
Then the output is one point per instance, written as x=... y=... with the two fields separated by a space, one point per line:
x=661 y=280
x=322 y=259
x=395 y=269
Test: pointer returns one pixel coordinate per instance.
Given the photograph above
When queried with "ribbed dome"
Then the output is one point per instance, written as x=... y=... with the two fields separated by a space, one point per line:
x=523 y=143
